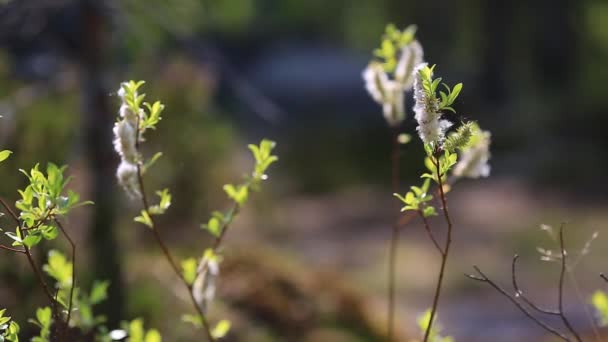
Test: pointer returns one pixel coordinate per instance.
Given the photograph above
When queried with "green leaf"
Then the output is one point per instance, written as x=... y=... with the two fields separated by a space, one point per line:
x=153 y=336
x=429 y=211
x=4 y=155
x=221 y=329
x=49 y=232
x=59 y=268
x=214 y=226
x=144 y=218
x=151 y=161
x=599 y=300
x=43 y=315
x=189 y=270
x=32 y=240
x=193 y=319
x=99 y=292
x=239 y=193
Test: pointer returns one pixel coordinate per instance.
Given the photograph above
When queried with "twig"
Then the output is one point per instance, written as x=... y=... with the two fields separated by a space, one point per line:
x=446 y=250
x=561 y=287
x=168 y=255
x=73 y=245
x=483 y=278
x=520 y=294
x=392 y=263
x=603 y=276
x=30 y=260
x=12 y=249
x=427 y=227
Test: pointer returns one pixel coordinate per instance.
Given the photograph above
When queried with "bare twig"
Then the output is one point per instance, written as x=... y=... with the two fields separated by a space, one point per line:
x=427 y=227
x=560 y=297
x=512 y=298
x=168 y=255
x=392 y=263
x=73 y=245
x=520 y=294
x=12 y=249
x=446 y=249
x=603 y=276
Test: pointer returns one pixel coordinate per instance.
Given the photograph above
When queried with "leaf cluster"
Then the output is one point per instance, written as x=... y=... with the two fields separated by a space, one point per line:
x=393 y=40
x=42 y=200
x=442 y=161
x=61 y=270
x=417 y=200
x=9 y=329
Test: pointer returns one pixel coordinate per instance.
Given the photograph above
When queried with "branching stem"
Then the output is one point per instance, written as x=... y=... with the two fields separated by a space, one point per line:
x=446 y=248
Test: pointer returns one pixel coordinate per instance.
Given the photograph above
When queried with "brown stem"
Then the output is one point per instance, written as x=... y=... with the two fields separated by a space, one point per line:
x=427 y=227
x=603 y=276
x=520 y=294
x=560 y=297
x=394 y=242
x=73 y=245
x=30 y=259
x=446 y=249
x=12 y=249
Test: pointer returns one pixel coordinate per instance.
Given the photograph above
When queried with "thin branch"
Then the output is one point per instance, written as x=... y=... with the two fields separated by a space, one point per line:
x=73 y=245
x=561 y=286
x=12 y=249
x=520 y=294
x=483 y=278
x=427 y=227
x=392 y=262
x=30 y=259
x=168 y=255
x=446 y=249
x=603 y=276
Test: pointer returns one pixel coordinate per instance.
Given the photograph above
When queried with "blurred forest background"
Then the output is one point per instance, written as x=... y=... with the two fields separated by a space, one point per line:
x=307 y=260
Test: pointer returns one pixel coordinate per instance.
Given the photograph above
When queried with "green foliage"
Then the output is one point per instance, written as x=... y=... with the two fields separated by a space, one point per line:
x=42 y=200
x=599 y=300
x=44 y=321
x=430 y=85
x=9 y=329
x=238 y=193
x=164 y=204
x=147 y=118
x=445 y=161
x=447 y=99
x=144 y=218
x=189 y=270
x=136 y=332
x=263 y=157
x=4 y=155
x=216 y=222
x=59 y=268
x=417 y=199
x=221 y=329
x=393 y=41
x=423 y=323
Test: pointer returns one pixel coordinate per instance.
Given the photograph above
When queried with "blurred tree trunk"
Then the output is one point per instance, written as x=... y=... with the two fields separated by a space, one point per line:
x=98 y=120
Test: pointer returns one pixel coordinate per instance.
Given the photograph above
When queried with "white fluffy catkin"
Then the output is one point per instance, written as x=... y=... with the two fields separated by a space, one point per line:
x=431 y=128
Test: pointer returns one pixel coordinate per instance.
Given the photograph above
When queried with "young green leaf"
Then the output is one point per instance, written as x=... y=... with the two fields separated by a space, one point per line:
x=4 y=155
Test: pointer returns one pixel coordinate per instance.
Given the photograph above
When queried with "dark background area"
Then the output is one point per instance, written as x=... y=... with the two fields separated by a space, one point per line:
x=233 y=71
